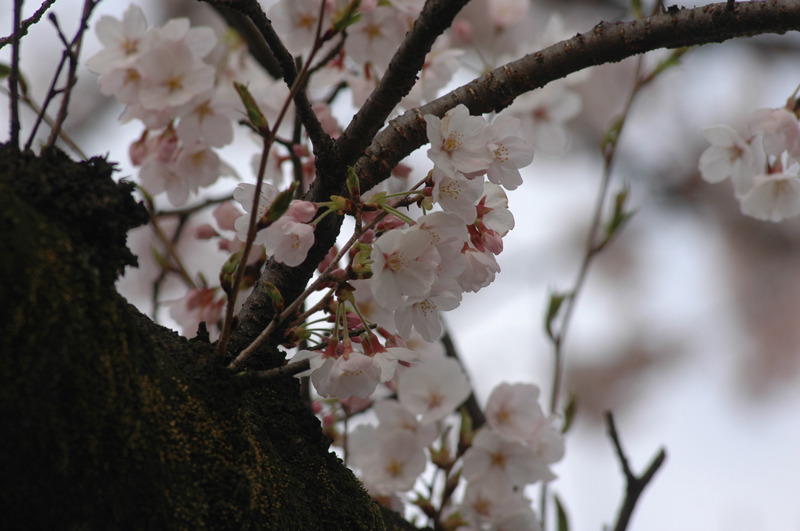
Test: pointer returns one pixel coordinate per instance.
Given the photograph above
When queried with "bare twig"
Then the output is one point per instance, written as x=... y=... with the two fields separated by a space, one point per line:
x=604 y=43
x=72 y=52
x=634 y=486
x=251 y=9
x=21 y=29
x=13 y=78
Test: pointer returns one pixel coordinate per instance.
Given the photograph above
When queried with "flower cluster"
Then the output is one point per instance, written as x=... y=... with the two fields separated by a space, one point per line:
x=426 y=266
x=515 y=449
x=763 y=163
x=169 y=78
x=416 y=250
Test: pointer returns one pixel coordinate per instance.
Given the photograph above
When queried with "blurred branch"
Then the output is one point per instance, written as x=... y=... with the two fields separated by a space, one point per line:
x=604 y=43
x=400 y=77
x=72 y=51
x=21 y=28
x=13 y=77
x=634 y=486
x=323 y=144
x=252 y=37
x=491 y=92
x=473 y=408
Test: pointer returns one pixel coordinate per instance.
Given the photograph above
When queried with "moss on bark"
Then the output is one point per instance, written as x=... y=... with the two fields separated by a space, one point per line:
x=111 y=421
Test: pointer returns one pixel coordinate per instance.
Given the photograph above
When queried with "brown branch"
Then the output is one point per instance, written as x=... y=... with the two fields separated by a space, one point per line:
x=252 y=37
x=21 y=29
x=322 y=142
x=634 y=486
x=605 y=43
x=492 y=92
x=72 y=51
x=400 y=76
x=13 y=78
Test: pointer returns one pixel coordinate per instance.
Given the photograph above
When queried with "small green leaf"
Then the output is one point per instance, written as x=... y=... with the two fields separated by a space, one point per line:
x=556 y=300
x=254 y=114
x=620 y=214
x=228 y=272
x=353 y=184
x=569 y=413
x=346 y=17
x=561 y=514
x=278 y=207
x=5 y=70
x=636 y=7
x=274 y=295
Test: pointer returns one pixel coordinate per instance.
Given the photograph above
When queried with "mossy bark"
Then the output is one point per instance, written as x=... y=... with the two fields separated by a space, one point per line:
x=113 y=422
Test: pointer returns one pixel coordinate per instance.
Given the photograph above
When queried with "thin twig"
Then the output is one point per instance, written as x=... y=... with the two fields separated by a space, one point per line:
x=73 y=52
x=22 y=28
x=634 y=486
x=295 y=89
x=13 y=78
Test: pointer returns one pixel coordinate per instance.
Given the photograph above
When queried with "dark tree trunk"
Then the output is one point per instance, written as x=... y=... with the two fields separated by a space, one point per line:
x=113 y=422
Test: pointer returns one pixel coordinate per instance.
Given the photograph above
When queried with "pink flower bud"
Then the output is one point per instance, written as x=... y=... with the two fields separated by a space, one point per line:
x=205 y=232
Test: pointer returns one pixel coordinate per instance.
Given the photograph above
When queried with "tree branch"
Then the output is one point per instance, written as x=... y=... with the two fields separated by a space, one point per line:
x=634 y=486
x=22 y=29
x=494 y=91
x=605 y=43
x=435 y=18
x=251 y=36
x=323 y=143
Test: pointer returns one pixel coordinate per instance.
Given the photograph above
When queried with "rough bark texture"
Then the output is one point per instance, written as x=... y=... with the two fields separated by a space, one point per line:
x=113 y=422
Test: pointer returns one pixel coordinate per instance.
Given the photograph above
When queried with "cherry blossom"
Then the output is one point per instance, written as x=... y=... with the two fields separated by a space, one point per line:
x=375 y=36
x=244 y=194
x=296 y=22
x=457 y=193
x=390 y=462
x=404 y=263
x=773 y=197
x=290 y=237
x=433 y=388
x=458 y=141
x=730 y=156
x=172 y=76
x=502 y=463
x=510 y=152
x=121 y=39
x=778 y=129
x=488 y=508
x=202 y=304
x=395 y=418
x=514 y=412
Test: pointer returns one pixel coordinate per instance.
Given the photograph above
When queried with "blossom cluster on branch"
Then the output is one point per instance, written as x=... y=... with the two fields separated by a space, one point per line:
x=366 y=329
x=763 y=162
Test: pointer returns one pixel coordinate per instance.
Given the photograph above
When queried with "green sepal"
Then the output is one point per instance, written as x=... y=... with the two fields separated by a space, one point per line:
x=561 y=515
x=346 y=17
x=569 y=413
x=228 y=272
x=254 y=114
x=620 y=214
x=275 y=295
x=353 y=185
x=556 y=300
x=278 y=207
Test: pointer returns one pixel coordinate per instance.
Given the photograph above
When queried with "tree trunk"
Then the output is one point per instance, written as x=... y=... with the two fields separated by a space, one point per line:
x=114 y=422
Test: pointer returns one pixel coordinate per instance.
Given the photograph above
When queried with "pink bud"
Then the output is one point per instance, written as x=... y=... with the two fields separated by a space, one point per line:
x=226 y=214
x=205 y=232
x=462 y=31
